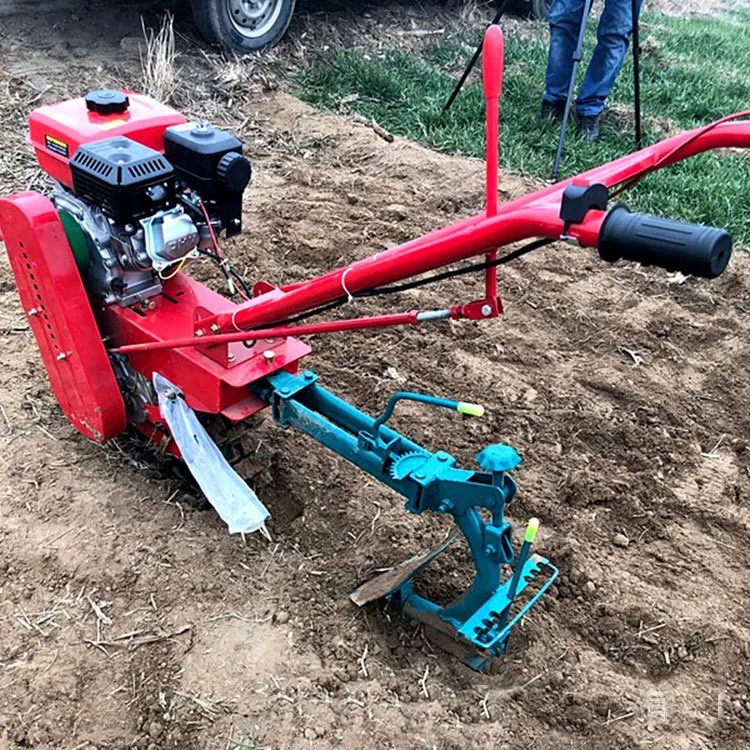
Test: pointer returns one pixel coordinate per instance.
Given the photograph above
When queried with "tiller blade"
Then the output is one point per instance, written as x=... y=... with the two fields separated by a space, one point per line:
x=387 y=583
x=484 y=634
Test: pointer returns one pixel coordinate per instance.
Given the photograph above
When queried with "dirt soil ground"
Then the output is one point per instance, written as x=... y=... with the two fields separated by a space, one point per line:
x=627 y=395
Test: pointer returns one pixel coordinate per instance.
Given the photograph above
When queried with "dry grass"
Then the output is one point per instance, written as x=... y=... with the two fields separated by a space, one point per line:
x=18 y=168
x=472 y=12
x=159 y=71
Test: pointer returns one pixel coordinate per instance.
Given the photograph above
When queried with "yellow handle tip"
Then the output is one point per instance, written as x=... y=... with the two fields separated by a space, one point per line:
x=531 y=528
x=471 y=410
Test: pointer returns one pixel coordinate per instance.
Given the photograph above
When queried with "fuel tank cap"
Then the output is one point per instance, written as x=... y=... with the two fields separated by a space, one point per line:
x=107 y=102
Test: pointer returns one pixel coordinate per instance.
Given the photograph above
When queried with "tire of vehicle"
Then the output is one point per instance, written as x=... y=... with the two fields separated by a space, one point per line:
x=533 y=8
x=242 y=25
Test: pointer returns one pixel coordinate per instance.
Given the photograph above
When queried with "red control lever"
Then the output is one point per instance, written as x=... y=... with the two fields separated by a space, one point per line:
x=492 y=77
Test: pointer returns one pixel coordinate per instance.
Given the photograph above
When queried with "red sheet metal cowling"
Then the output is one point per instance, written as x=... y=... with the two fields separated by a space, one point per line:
x=60 y=316
x=214 y=379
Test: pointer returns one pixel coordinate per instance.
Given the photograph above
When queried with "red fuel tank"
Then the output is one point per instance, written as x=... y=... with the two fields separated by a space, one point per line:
x=57 y=130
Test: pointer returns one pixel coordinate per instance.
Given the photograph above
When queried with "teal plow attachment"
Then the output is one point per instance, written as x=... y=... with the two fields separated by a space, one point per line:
x=478 y=624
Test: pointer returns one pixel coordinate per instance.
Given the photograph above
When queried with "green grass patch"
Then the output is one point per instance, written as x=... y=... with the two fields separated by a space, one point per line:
x=695 y=70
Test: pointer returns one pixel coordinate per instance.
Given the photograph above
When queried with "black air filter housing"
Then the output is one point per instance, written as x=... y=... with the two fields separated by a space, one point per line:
x=127 y=180
x=209 y=161
x=195 y=149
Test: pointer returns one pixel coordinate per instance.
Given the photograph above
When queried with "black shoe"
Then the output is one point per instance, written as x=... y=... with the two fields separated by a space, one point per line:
x=588 y=127
x=552 y=111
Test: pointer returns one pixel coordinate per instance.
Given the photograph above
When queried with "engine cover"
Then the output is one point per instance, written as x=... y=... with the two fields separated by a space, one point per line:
x=140 y=189
x=126 y=180
x=114 y=265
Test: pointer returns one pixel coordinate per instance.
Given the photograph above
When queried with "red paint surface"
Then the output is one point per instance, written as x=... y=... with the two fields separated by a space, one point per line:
x=213 y=379
x=60 y=316
x=533 y=215
x=492 y=77
x=72 y=124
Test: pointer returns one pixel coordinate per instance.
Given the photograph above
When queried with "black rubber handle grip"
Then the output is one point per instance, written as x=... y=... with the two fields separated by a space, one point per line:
x=690 y=248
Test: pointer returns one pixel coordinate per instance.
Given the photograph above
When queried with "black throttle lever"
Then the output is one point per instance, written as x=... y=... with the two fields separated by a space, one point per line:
x=692 y=249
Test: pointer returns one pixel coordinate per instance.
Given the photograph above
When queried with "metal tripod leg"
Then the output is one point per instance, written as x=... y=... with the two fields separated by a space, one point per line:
x=474 y=58
x=636 y=75
x=577 y=56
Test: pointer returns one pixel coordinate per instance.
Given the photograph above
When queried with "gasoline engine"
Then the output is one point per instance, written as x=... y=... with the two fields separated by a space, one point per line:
x=127 y=337
x=133 y=213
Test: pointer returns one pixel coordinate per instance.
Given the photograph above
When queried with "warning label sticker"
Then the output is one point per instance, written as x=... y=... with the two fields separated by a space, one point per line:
x=56 y=145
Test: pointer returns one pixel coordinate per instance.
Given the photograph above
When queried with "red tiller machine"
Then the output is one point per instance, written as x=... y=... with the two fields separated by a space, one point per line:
x=128 y=338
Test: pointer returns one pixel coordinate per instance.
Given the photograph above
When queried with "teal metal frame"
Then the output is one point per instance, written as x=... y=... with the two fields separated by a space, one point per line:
x=429 y=481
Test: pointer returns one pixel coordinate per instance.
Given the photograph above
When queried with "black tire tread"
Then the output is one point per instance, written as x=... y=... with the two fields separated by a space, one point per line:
x=209 y=19
x=202 y=21
x=536 y=9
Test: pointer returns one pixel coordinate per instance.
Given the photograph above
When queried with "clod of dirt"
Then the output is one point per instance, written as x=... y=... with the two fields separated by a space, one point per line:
x=397 y=211
x=620 y=540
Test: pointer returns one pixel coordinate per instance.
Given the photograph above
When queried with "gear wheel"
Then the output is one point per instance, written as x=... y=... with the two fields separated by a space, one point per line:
x=406 y=464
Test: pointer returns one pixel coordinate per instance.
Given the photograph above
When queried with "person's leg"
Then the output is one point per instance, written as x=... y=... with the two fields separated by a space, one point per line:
x=565 y=17
x=613 y=35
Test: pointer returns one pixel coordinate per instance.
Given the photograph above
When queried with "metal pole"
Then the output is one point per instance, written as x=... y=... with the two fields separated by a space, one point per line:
x=411 y=318
x=533 y=215
x=474 y=58
x=636 y=76
x=577 y=56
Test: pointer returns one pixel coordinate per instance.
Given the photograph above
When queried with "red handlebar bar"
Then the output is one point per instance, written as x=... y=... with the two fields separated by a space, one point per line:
x=533 y=215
